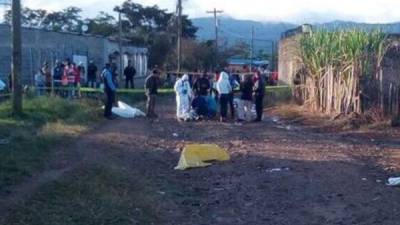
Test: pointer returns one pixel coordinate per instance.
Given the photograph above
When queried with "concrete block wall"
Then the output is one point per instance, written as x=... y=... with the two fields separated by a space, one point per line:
x=40 y=46
x=288 y=54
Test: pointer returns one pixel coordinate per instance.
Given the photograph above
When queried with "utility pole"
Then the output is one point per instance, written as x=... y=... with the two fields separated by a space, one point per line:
x=216 y=12
x=16 y=57
x=179 y=44
x=252 y=49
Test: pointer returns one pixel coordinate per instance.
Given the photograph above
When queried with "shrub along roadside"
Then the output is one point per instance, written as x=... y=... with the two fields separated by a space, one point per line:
x=27 y=141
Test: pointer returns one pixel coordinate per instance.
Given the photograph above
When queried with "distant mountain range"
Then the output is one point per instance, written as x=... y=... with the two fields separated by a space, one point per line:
x=233 y=30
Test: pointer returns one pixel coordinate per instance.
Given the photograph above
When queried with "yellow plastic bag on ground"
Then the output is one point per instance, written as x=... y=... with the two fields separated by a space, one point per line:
x=196 y=155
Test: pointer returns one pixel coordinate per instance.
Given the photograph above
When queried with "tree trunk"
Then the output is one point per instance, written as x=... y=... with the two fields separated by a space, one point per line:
x=16 y=57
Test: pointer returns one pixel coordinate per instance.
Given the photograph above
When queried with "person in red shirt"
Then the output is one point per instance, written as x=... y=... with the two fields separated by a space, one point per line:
x=70 y=72
x=77 y=80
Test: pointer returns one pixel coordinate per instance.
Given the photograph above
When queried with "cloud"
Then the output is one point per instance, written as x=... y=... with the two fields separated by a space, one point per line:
x=298 y=11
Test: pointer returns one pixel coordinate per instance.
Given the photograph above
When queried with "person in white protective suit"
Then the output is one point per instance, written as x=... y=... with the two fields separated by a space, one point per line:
x=183 y=95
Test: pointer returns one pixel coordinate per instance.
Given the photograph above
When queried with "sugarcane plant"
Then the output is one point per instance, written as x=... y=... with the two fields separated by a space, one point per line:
x=334 y=64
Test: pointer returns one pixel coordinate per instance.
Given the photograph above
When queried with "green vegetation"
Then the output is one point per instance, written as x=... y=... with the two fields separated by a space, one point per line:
x=278 y=94
x=274 y=94
x=335 y=62
x=27 y=141
x=95 y=194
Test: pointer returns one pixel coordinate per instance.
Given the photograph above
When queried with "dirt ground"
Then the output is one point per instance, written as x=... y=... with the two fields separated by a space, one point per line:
x=325 y=178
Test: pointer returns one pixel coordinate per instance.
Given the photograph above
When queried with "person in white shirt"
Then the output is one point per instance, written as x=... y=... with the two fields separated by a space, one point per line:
x=183 y=95
x=39 y=83
x=224 y=88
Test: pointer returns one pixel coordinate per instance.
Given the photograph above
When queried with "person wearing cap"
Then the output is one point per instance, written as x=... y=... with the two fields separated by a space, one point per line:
x=152 y=84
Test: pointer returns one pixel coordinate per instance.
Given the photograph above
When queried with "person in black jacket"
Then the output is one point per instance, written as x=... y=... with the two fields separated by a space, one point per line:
x=246 y=89
x=129 y=73
x=151 y=88
x=259 y=92
x=201 y=86
x=58 y=72
x=92 y=75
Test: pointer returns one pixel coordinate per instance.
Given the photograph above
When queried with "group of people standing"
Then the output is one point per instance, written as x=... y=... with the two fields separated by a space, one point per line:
x=66 y=77
x=200 y=99
x=152 y=84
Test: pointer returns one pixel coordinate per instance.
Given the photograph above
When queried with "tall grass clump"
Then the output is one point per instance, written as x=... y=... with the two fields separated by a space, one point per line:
x=335 y=63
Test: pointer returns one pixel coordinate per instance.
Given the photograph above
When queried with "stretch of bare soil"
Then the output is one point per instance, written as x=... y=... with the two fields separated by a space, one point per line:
x=282 y=171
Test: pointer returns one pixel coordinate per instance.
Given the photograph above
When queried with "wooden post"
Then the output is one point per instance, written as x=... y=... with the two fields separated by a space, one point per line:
x=16 y=57
x=179 y=40
x=215 y=12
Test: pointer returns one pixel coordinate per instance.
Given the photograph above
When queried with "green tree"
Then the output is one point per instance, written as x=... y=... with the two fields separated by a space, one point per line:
x=155 y=28
x=102 y=24
x=240 y=49
x=68 y=19
x=150 y=27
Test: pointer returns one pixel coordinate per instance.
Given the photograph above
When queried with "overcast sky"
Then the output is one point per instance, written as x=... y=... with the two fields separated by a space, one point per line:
x=297 y=11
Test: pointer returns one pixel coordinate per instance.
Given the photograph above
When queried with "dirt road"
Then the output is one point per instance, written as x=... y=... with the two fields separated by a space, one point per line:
x=326 y=178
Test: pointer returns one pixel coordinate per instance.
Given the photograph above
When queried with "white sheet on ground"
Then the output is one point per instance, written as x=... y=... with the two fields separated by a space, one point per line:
x=393 y=181
x=125 y=111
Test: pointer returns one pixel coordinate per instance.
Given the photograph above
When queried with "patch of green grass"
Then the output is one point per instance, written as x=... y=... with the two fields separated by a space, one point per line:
x=130 y=96
x=94 y=195
x=29 y=138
